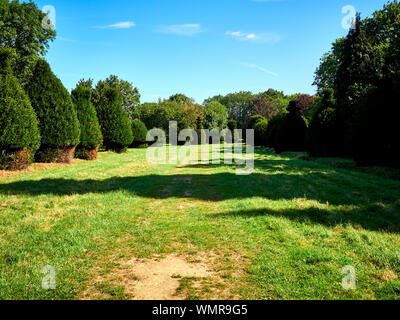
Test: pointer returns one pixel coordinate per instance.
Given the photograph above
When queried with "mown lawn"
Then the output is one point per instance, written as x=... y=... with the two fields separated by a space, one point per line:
x=284 y=232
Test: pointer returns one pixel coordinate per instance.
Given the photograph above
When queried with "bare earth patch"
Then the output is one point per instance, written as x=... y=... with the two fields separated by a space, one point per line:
x=172 y=277
x=152 y=279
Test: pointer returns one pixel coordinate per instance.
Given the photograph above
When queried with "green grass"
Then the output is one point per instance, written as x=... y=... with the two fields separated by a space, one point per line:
x=284 y=232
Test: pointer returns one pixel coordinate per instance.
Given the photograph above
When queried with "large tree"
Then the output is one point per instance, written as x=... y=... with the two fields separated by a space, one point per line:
x=115 y=124
x=19 y=132
x=58 y=120
x=91 y=137
x=21 y=28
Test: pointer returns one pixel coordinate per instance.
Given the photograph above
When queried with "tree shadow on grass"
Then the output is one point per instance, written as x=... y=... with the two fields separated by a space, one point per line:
x=369 y=217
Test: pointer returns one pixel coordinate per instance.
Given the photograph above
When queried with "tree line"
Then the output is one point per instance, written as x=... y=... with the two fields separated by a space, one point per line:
x=353 y=113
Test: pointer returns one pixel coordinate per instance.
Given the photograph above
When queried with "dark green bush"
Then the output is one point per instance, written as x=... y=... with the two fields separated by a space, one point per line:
x=114 y=122
x=254 y=120
x=91 y=137
x=322 y=136
x=18 y=123
x=139 y=131
x=260 y=133
x=58 y=121
x=292 y=131
x=272 y=130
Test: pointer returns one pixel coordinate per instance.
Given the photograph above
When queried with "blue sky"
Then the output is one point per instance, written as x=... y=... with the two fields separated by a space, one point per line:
x=197 y=47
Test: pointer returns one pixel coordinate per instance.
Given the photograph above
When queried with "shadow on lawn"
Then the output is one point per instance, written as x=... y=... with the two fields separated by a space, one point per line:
x=373 y=203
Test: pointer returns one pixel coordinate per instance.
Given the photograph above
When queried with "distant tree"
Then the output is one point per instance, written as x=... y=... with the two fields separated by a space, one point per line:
x=215 y=116
x=91 y=137
x=21 y=29
x=303 y=102
x=265 y=107
x=130 y=96
x=19 y=132
x=181 y=99
x=58 y=120
x=254 y=120
x=114 y=122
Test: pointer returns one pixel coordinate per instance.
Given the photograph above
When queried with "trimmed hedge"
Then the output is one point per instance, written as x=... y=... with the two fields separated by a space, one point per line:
x=19 y=132
x=58 y=121
x=91 y=137
x=114 y=122
x=139 y=131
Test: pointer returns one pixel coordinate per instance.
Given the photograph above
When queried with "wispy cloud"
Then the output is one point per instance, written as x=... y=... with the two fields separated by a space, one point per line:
x=119 y=25
x=181 y=29
x=259 y=37
x=257 y=67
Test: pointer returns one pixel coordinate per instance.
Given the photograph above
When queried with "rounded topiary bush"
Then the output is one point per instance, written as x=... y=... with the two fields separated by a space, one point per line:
x=114 y=122
x=260 y=133
x=19 y=132
x=291 y=134
x=91 y=137
x=139 y=131
x=58 y=122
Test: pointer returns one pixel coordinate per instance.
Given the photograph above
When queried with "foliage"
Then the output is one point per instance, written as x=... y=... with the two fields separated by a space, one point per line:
x=326 y=73
x=215 y=116
x=364 y=67
x=58 y=122
x=181 y=99
x=272 y=130
x=130 y=96
x=260 y=132
x=264 y=107
x=238 y=105
x=91 y=137
x=139 y=131
x=322 y=140
x=254 y=120
x=21 y=29
x=114 y=122
x=18 y=121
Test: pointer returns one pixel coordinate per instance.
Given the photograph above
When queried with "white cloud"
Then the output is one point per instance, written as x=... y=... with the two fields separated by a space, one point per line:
x=259 y=37
x=181 y=29
x=254 y=66
x=119 y=25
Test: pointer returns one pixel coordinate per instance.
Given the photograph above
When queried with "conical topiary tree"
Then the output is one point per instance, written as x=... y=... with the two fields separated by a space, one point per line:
x=91 y=137
x=114 y=122
x=58 y=121
x=19 y=132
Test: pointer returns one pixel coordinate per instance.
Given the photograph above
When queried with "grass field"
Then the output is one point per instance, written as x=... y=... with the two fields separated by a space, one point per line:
x=284 y=232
